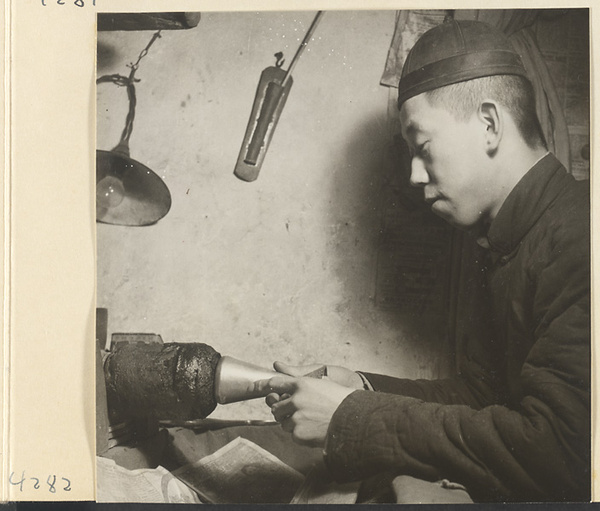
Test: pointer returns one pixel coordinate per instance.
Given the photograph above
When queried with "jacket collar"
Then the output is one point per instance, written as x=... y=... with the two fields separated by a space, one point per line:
x=526 y=203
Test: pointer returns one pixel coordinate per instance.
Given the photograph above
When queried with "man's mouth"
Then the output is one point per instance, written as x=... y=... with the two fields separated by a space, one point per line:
x=431 y=200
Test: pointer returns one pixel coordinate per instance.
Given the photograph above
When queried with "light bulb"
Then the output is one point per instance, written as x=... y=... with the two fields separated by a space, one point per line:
x=109 y=192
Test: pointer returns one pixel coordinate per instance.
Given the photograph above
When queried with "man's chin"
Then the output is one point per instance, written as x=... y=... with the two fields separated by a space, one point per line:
x=467 y=225
x=437 y=208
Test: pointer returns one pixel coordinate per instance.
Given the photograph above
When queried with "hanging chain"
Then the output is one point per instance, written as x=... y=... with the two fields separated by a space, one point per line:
x=123 y=81
x=143 y=53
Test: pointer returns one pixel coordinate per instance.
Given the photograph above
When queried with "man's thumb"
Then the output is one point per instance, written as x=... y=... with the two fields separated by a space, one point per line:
x=297 y=371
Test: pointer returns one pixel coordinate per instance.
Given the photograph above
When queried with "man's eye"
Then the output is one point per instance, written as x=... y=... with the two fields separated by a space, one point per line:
x=422 y=150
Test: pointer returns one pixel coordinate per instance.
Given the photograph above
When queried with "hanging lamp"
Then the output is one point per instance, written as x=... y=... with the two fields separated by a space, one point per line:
x=127 y=191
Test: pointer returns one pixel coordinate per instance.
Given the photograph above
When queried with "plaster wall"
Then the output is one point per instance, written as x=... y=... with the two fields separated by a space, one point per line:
x=283 y=268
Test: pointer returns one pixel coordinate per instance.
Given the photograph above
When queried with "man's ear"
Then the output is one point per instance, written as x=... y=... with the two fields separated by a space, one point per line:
x=491 y=117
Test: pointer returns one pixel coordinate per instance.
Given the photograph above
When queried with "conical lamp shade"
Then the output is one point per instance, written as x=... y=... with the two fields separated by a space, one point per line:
x=128 y=192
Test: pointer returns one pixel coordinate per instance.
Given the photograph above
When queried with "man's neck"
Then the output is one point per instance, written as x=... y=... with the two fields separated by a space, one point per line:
x=511 y=167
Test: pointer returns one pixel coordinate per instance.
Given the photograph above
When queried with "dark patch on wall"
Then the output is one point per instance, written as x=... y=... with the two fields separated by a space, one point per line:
x=106 y=57
x=413 y=263
x=406 y=248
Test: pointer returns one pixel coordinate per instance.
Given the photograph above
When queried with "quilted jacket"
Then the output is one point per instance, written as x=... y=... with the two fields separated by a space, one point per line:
x=514 y=424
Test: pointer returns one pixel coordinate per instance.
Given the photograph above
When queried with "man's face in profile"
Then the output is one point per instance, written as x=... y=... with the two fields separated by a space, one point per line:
x=448 y=161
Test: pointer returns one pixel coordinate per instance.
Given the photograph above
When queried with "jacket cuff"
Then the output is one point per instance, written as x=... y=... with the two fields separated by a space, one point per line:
x=343 y=432
x=398 y=386
x=347 y=437
x=356 y=446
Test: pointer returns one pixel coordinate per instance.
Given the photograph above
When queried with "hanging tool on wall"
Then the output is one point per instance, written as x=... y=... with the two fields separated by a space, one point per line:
x=272 y=92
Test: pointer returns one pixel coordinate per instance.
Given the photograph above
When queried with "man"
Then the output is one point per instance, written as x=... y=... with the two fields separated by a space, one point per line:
x=515 y=423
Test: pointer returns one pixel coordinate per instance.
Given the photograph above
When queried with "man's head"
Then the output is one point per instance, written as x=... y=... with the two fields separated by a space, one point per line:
x=512 y=92
x=467 y=109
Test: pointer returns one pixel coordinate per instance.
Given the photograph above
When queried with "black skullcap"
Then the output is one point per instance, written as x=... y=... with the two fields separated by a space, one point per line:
x=456 y=51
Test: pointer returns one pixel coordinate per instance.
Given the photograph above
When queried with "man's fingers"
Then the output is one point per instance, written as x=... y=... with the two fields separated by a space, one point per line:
x=288 y=425
x=272 y=398
x=284 y=368
x=278 y=384
x=283 y=409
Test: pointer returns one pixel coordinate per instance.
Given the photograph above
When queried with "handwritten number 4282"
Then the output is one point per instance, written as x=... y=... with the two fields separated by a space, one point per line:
x=78 y=3
x=50 y=482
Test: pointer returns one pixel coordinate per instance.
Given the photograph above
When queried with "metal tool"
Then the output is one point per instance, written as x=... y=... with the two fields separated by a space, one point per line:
x=213 y=424
x=272 y=92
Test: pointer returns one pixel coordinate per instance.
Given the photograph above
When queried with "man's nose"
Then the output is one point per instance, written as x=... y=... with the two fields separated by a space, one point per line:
x=418 y=173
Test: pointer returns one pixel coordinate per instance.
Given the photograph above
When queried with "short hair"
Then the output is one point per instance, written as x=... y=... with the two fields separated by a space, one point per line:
x=513 y=92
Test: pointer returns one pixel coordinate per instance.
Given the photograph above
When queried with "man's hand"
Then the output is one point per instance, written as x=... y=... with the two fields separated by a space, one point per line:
x=304 y=406
x=338 y=374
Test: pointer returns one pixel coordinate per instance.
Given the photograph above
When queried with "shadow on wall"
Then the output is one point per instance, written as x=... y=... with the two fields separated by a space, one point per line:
x=106 y=56
x=391 y=254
